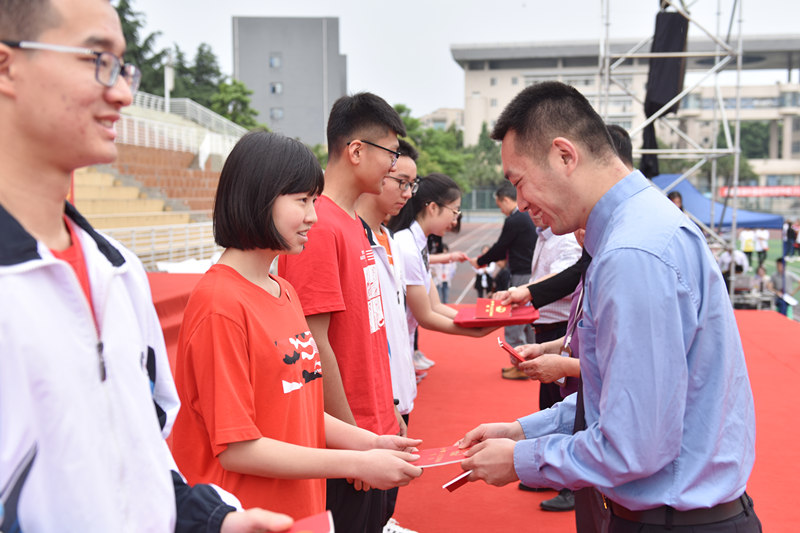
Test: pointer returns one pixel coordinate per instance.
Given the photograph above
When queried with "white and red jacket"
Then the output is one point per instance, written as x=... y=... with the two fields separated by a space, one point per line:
x=84 y=408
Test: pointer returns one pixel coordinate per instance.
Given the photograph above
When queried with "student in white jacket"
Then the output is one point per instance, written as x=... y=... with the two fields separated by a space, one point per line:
x=86 y=394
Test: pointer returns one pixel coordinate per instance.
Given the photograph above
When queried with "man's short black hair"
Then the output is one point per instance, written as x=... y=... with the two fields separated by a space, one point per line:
x=360 y=116
x=408 y=150
x=542 y=112
x=622 y=143
x=261 y=167
x=24 y=20
x=506 y=190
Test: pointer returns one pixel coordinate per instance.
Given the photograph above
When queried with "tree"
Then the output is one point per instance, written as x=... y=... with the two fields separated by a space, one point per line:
x=754 y=139
x=141 y=52
x=321 y=153
x=232 y=101
x=483 y=166
x=206 y=76
x=442 y=151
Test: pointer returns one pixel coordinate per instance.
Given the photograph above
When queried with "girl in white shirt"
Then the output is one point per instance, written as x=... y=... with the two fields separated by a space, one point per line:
x=434 y=209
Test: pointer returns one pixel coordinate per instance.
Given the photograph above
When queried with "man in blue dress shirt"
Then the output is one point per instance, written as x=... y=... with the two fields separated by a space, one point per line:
x=666 y=399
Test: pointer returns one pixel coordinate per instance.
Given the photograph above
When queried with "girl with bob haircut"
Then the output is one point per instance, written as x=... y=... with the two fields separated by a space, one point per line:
x=433 y=210
x=248 y=371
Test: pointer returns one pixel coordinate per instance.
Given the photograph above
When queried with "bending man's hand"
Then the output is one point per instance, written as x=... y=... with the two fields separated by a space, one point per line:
x=491 y=461
x=497 y=430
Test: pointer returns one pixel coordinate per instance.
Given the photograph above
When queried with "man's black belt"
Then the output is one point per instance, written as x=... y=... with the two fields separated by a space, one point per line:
x=667 y=516
x=542 y=328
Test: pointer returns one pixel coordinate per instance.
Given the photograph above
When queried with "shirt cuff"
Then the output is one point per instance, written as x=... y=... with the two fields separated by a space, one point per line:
x=526 y=463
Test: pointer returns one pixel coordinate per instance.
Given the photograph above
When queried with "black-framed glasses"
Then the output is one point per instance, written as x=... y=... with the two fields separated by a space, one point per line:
x=395 y=153
x=405 y=184
x=108 y=67
x=456 y=212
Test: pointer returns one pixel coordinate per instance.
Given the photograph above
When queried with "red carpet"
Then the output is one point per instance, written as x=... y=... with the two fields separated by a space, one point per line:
x=465 y=389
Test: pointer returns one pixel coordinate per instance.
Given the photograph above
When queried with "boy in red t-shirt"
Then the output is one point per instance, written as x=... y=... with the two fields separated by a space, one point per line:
x=337 y=281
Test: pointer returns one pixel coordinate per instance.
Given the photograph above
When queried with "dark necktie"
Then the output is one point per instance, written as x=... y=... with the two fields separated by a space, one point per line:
x=580 y=413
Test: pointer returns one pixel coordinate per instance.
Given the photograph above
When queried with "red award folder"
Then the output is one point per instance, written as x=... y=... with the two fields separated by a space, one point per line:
x=318 y=523
x=467 y=317
x=488 y=308
x=440 y=456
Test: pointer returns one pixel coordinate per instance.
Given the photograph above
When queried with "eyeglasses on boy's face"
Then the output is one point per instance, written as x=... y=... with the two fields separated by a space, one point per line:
x=108 y=67
x=395 y=153
x=405 y=185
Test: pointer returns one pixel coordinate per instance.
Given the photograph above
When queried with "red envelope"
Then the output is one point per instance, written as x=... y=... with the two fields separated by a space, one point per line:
x=318 y=523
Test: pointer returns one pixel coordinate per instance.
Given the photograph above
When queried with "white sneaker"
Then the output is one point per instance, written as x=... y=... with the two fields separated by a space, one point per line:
x=393 y=527
x=421 y=362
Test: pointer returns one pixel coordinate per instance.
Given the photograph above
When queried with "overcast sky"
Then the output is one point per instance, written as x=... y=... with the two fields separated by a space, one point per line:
x=401 y=50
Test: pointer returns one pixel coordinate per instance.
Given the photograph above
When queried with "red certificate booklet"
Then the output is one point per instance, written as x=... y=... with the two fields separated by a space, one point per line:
x=488 y=308
x=469 y=317
x=318 y=523
x=440 y=456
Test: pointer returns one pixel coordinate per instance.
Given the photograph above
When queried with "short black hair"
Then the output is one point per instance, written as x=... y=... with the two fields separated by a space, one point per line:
x=436 y=188
x=260 y=168
x=506 y=190
x=359 y=116
x=622 y=143
x=408 y=150
x=542 y=112
x=24 y=20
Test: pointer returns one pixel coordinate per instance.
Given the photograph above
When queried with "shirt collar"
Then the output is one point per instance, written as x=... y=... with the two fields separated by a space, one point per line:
x=419 y=235
x=545 y=233
x=19 y=246
x=603 y=210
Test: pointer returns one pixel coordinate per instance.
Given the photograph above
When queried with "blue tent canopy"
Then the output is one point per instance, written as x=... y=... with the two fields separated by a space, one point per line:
x=700 y=206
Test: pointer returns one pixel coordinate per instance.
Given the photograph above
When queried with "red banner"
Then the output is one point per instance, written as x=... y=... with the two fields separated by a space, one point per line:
x=759 y=192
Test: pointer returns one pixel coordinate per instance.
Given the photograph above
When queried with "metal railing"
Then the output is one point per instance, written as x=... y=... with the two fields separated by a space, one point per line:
x=190 y=110
x=154 y=244
x=150 y=133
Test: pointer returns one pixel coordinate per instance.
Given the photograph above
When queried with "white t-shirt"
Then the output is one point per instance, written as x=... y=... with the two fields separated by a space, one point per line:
x=412 y=246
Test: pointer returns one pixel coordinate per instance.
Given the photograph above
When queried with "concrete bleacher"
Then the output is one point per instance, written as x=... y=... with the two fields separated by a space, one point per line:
x=107 y=204
x=171 y=174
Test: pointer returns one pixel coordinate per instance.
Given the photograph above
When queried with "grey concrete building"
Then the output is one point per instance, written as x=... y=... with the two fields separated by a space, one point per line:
x=295 y=70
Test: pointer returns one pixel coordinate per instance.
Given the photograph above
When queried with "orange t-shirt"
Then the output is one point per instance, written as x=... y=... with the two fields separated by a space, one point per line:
x=383 y=240
x=247 y=367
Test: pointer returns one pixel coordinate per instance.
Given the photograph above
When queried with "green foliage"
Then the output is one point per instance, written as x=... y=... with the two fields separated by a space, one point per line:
x=141 y=51
x=444 y=151
x=200 y=80
x=483 y=166
x=232 y=101
x=321 y=153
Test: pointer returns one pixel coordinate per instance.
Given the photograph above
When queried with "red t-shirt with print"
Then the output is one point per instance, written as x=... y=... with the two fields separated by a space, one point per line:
x=247 y=367
x=337 y=274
